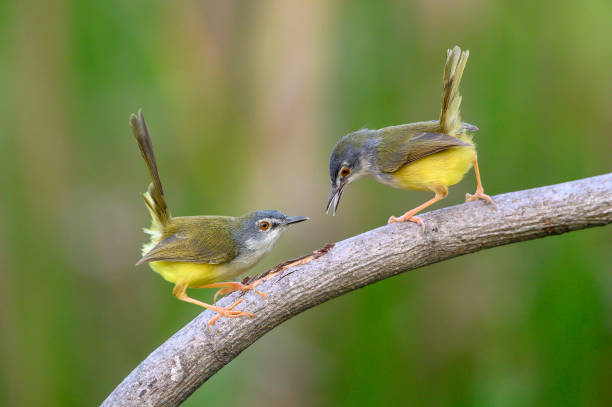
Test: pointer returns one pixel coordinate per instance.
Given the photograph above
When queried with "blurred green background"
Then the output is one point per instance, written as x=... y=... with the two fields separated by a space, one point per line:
x=244 y=101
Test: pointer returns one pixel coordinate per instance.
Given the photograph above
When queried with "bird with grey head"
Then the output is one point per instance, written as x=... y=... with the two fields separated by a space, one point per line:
x=203 y=251
x=424 y=156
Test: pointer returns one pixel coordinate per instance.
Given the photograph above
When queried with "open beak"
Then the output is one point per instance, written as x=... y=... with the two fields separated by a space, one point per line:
x=335 y=196
x=294 y=219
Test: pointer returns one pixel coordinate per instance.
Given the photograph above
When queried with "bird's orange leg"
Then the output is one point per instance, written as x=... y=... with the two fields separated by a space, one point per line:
x=179 y=292
x=479 y=189
x=440 y=192
x=231 y=286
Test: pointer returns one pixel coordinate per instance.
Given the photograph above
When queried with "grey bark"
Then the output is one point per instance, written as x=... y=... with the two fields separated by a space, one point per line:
x=185 y=361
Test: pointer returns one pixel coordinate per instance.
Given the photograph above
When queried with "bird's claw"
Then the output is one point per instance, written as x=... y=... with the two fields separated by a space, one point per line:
x=405 y=218
x=478 y=195
x=239 y=287
x=228 y=312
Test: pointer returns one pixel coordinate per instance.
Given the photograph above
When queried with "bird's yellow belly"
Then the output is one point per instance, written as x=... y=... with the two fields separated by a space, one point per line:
x=445 y=168
x=194 y=274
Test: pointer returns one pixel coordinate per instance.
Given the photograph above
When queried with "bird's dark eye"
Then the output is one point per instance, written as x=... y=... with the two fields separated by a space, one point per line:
x=345 y=172
x=264 y=225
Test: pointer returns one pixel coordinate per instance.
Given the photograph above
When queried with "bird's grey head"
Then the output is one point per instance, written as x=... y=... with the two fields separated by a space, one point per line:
x=348 y=162
x=259 y=230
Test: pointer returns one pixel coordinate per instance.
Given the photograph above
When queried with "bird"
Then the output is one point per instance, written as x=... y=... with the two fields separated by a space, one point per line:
x=203 y=251
x=424 y=156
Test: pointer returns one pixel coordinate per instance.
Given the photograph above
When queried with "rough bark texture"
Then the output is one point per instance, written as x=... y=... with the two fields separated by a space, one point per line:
x=185 y=361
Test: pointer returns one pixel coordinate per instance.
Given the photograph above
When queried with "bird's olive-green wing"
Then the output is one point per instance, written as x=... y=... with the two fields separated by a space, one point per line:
x=399 y=147
x=195 y=239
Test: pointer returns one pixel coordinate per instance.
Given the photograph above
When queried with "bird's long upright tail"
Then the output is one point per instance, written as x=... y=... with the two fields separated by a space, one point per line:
x=154 y=197
x=450 y=117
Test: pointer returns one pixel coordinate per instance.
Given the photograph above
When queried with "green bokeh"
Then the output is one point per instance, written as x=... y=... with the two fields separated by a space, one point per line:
x=244 y=101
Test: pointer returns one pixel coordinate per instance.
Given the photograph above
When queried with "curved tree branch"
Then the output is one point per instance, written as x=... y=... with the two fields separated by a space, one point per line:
x=185 y=361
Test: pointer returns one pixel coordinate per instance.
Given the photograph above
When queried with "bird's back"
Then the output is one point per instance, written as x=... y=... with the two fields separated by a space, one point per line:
x=197 y=239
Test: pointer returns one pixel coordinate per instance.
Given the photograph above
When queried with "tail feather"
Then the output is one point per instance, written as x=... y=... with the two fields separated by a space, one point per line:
x=450 y=117
x=154 y=197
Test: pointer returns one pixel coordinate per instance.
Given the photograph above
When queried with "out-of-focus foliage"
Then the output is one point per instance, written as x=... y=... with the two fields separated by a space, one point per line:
x=244 y=101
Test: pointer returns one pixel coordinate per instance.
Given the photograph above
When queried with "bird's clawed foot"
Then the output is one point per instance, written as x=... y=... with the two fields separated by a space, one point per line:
x=478 y=195
x=407 y=217
x=228 y=312
x=236 y=286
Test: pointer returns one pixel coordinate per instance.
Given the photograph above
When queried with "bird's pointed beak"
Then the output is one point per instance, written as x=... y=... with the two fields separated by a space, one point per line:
x=336 y=194
x=294 y=219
